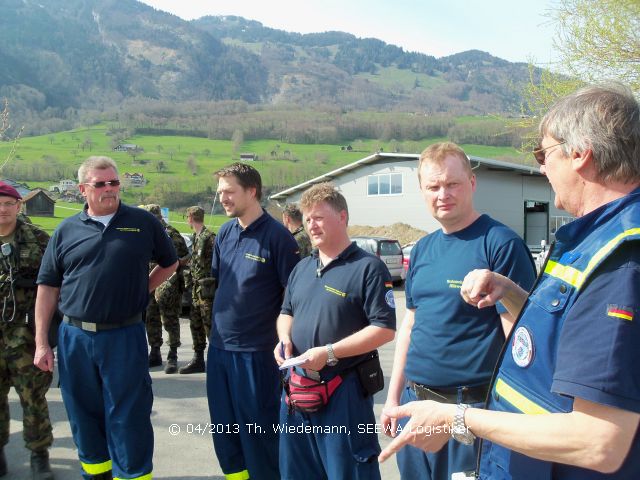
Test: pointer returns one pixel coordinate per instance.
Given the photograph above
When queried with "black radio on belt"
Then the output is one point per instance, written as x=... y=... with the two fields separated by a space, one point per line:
x=474 y=394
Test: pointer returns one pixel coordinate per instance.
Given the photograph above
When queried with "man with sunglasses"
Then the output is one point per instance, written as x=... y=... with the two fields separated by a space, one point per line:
x=565 y=400
x=96 y=268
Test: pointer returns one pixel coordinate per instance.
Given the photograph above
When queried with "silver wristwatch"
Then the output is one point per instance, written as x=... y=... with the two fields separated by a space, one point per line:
x=459 y=429
x=332 y=361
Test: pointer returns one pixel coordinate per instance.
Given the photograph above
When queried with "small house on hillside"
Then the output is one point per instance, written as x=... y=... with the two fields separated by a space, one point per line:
x=134 y=179
x=65 y=185
x=248 y=157
x=38 y=203
x=128 y=147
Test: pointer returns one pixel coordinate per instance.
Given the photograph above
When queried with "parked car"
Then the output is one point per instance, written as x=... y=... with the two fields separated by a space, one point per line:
x=388 y=250
x=406 y=254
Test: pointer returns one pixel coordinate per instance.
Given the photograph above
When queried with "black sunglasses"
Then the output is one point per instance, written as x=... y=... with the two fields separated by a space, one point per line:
x=540 y=155
x=111 y=183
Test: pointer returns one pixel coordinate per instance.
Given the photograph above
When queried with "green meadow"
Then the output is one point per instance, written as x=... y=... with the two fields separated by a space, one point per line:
x=179 y=170
x=177 y=219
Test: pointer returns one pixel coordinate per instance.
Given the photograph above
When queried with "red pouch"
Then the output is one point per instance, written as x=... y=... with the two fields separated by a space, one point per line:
x=307 y=395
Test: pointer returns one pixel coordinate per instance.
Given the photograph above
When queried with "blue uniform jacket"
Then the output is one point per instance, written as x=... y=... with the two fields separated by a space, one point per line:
x=523 y=383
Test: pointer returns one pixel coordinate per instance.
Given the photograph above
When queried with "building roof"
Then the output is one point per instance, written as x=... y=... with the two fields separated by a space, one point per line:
x=20 y=187
x=34 y=193
x=401 y=157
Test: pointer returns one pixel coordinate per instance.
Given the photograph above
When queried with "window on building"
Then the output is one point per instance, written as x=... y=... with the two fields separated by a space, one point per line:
x=385 y=184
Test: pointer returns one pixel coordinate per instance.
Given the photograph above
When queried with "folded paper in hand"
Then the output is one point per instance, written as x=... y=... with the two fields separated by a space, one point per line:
x=293 y=361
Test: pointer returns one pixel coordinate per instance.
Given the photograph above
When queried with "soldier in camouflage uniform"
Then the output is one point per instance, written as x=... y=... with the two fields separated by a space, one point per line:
x=19 y=266
x=292 y=219
x=164 y=305
x=202 y=288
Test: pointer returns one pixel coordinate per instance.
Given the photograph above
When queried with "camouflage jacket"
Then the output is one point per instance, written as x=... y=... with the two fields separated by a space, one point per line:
x=18 y=289
x=181 y=250
x=202 y=254
x=304 y=244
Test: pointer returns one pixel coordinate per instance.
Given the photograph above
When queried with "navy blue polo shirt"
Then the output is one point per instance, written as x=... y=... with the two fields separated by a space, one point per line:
x=252 y=267
x=598 y=354
x=453 y=343
x=328 y=304
x=103 y=273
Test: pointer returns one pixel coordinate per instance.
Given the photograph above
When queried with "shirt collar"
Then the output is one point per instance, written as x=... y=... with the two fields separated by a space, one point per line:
x=346 y=253
x=84 y=215
x=255 y=224
x=581 y=226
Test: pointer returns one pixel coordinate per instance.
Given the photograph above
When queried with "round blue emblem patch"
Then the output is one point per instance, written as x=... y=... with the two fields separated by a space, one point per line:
x=389 y=299
x=522 y=349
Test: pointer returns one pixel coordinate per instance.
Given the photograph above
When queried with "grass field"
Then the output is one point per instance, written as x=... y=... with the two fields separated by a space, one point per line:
x=185 y=165
x=177 y=219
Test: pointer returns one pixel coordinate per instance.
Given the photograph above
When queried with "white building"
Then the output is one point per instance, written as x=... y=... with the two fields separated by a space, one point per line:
x=65 y=185
x=382 y=189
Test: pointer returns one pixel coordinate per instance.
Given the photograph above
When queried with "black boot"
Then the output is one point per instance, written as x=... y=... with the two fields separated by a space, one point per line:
x=155 y=358
x=196 y=365
x=172 y=361
x=40 y=468
x=103 y=476
x=3 y=463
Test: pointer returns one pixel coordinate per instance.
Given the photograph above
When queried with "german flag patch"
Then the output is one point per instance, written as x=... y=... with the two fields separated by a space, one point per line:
x=388 y=284
x=617 y=311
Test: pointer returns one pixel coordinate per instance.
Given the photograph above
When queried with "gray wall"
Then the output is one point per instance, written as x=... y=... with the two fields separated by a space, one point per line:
x=500 y=194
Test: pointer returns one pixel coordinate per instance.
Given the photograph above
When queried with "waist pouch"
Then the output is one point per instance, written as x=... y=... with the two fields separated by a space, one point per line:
x=309 y=396
x=370 y=374
x=207 y=288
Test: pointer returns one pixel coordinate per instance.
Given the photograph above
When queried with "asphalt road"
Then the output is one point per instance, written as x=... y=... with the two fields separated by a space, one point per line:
x=181 y=453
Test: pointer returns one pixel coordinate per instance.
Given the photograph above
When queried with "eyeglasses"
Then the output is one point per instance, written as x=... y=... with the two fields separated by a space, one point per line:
x=111 y=183
x=539 y=154
x=8 y=204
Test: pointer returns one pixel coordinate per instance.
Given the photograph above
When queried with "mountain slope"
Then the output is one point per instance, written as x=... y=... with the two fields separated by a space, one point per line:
x=66 y=61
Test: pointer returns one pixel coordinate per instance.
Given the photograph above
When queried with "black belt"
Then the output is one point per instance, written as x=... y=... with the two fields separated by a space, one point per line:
x=450 y=395
x=97 y=327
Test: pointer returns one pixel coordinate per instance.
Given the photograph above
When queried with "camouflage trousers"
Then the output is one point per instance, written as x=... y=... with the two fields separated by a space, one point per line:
x=200 y=323
x=161 y=314
x=17 y=347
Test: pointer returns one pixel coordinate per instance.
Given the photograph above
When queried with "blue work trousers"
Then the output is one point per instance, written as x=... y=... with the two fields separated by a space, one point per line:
x=341 y=443
x=106 y=388
x=243 y=389
x=416 y=464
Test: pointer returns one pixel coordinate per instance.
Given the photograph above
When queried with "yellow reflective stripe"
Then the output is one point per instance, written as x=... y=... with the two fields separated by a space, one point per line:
x=563 y=272
x=243 y=475
x=611 y=244
x=517 y=399
x=143 y=477
x=96 y=468
x=575 y=277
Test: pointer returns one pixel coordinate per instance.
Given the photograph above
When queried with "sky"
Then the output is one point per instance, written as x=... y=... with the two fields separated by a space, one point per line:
x=515 y=30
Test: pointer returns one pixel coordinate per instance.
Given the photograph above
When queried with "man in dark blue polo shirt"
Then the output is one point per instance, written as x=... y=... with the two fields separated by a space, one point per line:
x=96 y=269
x=447 y=349
x=338 y=309
x=252 y=259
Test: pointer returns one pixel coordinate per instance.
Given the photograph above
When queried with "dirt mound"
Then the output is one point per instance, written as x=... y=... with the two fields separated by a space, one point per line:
x=400 y=231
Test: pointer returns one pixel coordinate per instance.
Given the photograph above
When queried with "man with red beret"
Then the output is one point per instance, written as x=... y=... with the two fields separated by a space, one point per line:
x=22 y=248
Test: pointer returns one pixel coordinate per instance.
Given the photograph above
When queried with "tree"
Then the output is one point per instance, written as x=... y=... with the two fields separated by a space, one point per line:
x=192 y=164
x=161 y=166
x=237 y=138
x=597 y=40
x=5 y=125
x=600 y=39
